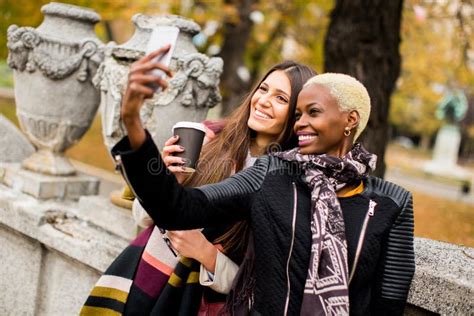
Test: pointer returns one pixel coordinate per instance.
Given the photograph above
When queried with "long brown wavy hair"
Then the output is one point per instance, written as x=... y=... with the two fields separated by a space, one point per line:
x=228 y=152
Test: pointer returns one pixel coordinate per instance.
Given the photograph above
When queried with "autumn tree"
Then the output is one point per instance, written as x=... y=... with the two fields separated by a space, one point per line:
x=251 y=46
x=363 y=41
x=28 y=13
x=437 y=57
x=237 y=27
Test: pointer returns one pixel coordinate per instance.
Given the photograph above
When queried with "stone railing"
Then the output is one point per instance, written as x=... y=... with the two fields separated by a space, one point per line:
x=55 y=251
x=444 y=279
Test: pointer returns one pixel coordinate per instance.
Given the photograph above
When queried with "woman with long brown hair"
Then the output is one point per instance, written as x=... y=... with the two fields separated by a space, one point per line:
x=264 y=118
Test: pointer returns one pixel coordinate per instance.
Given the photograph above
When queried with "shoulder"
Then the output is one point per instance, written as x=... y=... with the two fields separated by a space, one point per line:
x=276 y=164
x=396 y=193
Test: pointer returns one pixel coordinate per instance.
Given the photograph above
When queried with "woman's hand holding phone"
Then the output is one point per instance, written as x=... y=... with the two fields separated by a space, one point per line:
x=138 y=89
x=147 y=76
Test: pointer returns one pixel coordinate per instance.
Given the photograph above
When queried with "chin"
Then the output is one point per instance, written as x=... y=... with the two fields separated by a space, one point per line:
x=256 y=125
x=310 y=150
x=305 y=150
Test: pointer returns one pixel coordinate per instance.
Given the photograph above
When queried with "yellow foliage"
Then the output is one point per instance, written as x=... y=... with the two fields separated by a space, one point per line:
x=431 y=65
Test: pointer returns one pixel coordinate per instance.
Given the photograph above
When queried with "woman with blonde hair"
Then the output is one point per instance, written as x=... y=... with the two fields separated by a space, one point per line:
x=328 y=239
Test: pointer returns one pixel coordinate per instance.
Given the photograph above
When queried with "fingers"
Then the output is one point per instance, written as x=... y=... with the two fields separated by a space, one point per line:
x=178 y=171
x=210 y=133
x=168 y=150
x=147 y=79
x=171 y=234
x=156 y=53
x=173 y=160
x=172 y=140
x=140 y=89
x=142 y=68
x=140 y=78
x=182 y=234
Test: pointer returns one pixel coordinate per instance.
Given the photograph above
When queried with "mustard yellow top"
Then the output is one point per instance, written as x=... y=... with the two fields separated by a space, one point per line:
x=353 y=192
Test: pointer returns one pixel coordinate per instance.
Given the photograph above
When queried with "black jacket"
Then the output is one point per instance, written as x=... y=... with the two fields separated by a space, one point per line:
x=272 y=196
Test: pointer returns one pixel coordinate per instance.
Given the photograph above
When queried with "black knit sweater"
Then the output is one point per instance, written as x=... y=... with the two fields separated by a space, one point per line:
x=265 y=195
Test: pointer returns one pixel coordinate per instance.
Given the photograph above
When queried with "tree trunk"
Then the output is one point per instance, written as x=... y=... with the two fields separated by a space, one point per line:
x=109 y=32
x=236 y=35
x=425 y=142
x=363 y=41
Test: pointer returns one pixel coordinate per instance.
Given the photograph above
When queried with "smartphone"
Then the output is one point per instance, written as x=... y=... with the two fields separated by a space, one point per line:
x=161 y=36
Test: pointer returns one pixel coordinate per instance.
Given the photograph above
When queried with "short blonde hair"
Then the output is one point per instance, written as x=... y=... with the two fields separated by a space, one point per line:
x=350 y=94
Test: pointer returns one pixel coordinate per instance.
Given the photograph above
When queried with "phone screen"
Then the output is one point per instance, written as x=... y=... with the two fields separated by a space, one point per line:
x=161 y=36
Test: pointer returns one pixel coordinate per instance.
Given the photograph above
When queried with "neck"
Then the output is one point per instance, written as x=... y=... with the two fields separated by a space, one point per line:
x=343 y=149
x=259 y=144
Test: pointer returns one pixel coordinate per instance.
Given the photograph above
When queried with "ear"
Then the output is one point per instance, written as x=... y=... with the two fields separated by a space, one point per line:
x=353 y=119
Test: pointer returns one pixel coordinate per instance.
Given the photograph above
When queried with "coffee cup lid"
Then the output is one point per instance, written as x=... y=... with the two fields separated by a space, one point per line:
x=184 y=124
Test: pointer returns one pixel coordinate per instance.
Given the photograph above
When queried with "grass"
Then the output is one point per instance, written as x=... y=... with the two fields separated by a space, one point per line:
x=435 y=218
x=411 y=161
x=443 y=219
x=7 y=108
x=6 y=75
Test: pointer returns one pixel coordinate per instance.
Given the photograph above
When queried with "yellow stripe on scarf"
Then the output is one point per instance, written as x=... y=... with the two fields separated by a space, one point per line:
x=193 y=277
x=175 y=280
x=186 y=261
x=108 y=292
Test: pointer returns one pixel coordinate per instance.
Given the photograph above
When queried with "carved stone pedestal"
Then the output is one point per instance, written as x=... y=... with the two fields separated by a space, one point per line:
x=43 y=186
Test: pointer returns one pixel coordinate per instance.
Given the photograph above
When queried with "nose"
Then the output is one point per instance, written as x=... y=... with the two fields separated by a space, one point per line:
x=264 y=101
x=301 y=122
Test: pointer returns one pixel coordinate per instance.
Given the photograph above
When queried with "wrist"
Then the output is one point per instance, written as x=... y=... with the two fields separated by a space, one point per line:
x=130 y=119
x=209 y=257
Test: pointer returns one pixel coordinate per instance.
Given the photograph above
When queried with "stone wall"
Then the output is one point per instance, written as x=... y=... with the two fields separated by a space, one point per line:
x=53 y=252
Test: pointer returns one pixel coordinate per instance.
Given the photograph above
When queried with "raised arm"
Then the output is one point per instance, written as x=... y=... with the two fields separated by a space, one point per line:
x=173 y=206
x=169 y=204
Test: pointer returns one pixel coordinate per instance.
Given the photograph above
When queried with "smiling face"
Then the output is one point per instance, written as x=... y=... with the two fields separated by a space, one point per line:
x=269 y=105
x=320 y=122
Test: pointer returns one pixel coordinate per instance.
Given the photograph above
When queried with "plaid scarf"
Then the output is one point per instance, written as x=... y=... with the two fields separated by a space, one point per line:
x=326 y=289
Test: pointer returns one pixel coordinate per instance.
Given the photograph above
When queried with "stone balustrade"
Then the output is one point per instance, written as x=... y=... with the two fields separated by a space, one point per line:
x=53 y=252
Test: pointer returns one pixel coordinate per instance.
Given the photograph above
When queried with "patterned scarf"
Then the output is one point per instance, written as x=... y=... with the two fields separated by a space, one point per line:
x=326 y=289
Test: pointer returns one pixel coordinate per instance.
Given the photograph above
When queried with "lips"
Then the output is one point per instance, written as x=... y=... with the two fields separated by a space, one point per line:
x=305 y=138
x=262 y=115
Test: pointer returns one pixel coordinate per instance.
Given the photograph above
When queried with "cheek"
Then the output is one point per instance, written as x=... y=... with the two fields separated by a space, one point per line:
x=281 y=114
x=253 y=100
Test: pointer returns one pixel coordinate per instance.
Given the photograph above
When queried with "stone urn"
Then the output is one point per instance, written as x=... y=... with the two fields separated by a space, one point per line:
x=192 y=91
x=53 y=66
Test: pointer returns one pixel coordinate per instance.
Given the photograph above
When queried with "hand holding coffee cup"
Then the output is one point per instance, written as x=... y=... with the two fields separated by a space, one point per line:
x=190 y=139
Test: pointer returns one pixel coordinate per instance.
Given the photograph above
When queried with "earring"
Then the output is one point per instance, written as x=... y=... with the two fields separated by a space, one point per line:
x=347 y=131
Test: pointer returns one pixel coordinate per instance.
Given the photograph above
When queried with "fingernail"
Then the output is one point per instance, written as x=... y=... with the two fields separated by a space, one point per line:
x=184 y=160
x=181 y=147
x=176 y=136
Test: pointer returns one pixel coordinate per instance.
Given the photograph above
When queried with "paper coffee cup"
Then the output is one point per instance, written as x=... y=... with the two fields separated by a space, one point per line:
x=191 y=136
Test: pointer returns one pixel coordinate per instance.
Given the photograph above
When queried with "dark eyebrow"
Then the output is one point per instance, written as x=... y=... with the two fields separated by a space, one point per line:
x=319 y=105
x=281 y=91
